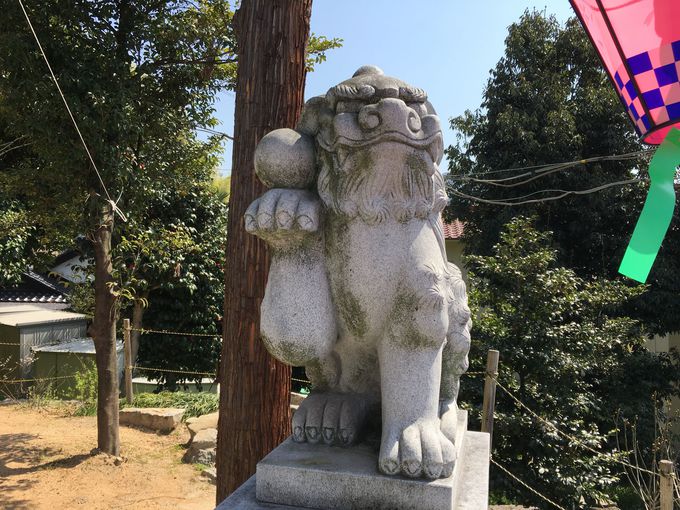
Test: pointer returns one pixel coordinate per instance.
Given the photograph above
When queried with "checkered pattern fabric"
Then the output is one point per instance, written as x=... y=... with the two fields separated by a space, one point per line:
x=657 y=74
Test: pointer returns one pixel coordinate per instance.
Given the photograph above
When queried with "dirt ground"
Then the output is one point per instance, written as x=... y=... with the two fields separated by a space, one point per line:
x=45 y=463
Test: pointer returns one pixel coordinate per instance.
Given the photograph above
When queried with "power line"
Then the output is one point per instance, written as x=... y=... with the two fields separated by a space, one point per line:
x=539 y=170
x=563 y=193
x=215 y=132
x=70 y=113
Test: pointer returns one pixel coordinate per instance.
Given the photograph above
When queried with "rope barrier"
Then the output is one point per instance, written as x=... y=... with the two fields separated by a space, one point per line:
x=144 y=331
x=209 y=374
x=567 y=436
x=7 y=343
x=514 y=477
x=38 y=379
x=300 y=380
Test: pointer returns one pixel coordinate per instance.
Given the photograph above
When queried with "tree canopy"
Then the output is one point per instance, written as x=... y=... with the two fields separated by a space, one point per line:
x=569 y=357
x=549 y=101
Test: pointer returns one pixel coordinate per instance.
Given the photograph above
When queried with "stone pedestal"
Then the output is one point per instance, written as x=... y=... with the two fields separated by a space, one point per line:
x=322 y=477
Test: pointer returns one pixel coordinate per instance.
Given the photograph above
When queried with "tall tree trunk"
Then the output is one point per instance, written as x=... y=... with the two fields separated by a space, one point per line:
x=255 y=389
x=104 y=335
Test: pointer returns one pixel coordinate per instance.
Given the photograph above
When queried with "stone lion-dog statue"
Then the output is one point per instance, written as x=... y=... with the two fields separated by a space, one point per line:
x=360 y=292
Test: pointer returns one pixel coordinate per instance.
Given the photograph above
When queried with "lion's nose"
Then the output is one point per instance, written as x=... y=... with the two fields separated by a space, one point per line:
x=390 y=114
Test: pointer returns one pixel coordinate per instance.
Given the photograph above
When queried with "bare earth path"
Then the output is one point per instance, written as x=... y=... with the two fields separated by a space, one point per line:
x=45 y=463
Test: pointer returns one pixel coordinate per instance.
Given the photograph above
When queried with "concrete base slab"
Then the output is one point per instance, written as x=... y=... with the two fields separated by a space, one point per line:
x=163 y=419
x=316 y=476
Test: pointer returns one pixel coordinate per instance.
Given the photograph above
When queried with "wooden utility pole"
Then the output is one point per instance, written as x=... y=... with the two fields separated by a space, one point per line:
x=666 y=474
x=254 y=418
x=127 y=345
x=489 y=404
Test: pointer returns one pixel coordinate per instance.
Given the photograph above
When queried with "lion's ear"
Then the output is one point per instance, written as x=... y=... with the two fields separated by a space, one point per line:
x=313 y=114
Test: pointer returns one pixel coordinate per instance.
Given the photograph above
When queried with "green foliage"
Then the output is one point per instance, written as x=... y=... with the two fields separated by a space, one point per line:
x=85 y=390
x=195 y=404
x=15 y=232
x=81 y=298
x=189 y=299
x=222 y=184
x=86 y=383
x=547 y=101
x=317 y=46
x=566 y=356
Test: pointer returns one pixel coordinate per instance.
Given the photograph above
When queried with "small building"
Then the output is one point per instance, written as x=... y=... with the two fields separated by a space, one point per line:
x=453 y=240
x=26 y=326
x=63 y=360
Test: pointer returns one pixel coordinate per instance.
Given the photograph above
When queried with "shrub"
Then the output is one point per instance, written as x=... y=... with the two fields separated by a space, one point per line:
x=195 y=404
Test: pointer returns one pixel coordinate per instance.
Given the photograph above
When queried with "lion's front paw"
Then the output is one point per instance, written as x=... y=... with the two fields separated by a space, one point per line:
x=284 y=216
x=415 y=450
x=330 y=418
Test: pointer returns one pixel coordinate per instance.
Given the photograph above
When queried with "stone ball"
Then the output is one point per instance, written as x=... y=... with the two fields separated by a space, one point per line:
x=285 y=158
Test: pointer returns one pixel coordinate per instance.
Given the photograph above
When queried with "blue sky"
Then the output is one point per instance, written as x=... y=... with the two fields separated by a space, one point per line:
x=446 y=47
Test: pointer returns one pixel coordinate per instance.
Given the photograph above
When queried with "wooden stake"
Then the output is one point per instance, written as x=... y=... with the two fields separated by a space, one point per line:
x=666 y=473
x=128 y=360
x=490 y=392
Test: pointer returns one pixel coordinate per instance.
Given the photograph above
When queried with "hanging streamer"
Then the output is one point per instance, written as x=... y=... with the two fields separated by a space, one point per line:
x=657 y=212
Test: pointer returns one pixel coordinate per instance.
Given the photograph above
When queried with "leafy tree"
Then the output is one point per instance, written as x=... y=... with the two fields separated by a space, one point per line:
x=186 y=284
x=139 y=76
x=547 y=101
x=15 y=232
x=566 y=356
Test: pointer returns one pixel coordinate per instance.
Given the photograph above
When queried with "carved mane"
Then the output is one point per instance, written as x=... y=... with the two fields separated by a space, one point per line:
x=375 y=193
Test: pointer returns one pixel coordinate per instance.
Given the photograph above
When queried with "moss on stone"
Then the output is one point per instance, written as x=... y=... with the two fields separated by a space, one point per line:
x=402 y=322
x=351 y=312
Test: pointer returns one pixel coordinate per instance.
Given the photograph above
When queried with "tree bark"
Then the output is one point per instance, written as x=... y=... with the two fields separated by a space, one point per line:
x=104 y=335
x=255 y=389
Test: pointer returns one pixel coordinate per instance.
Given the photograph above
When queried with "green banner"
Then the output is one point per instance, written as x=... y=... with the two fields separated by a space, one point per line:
x=657 y=212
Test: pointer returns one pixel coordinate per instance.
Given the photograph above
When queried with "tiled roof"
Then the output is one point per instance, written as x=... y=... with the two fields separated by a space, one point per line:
x=453 y=230
x=34 y=289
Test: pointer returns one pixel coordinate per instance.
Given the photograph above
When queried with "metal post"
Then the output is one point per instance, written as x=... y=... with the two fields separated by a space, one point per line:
x=666 y=473
x=490 y=392
x=128 y=360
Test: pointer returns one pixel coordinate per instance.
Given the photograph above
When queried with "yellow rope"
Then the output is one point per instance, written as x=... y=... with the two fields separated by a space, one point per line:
x=16 y=381
x=567 y=436
x=3 y=343
x=144 y=331
x=514 y=477
x=174 y=371
x=303 y=381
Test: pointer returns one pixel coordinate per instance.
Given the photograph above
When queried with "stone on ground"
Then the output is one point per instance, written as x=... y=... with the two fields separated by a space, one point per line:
x=210 y=474
x=206 y=421
x=160 y=419
x=202 y=448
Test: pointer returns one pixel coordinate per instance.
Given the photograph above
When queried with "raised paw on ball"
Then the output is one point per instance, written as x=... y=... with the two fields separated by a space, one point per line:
x=284 y=217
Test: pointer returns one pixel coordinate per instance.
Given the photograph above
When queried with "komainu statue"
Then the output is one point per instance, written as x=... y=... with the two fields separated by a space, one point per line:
x=360 y=292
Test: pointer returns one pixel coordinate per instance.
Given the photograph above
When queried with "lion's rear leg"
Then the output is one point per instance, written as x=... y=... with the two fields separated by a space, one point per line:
x=455 y=355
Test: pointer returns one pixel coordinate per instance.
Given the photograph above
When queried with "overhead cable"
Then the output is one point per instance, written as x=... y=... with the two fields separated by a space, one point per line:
x=113 y=204
x=563 y=194
x=537 y=171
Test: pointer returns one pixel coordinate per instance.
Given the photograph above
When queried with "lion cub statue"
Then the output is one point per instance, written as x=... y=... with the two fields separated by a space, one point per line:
x=360 y=292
